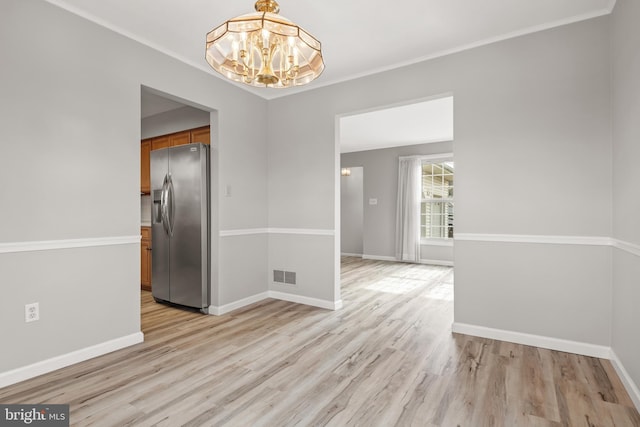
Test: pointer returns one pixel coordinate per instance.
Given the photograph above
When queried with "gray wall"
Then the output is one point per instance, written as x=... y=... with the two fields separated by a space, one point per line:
x=303 y=187
x=352 y=212
x=529 y=135
x=381 y=183
x=70 y=119
x=533 y=157
x=174 y=121
x=626 y=176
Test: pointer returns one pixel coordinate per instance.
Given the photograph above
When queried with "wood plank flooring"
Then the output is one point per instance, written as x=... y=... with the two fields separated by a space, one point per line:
x=388 y=358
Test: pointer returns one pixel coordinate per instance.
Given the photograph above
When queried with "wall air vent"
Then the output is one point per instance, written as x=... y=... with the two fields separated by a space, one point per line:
x=278 y=276
x=289 y=278
x=286 y=277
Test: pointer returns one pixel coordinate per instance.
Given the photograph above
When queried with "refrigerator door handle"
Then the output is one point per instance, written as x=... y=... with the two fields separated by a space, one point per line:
x=163 y=205
x=170 y=205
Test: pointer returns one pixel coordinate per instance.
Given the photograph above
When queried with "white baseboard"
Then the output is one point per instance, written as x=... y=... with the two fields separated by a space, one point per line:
x=422 y=261
x=315 y=302
x=629 y=384
x=378 y=257
x=349 y=254
x=50 y=365
x=585 y=349
x=220 y=310
x=437 y=262
x=223 y=309
x=567 y=346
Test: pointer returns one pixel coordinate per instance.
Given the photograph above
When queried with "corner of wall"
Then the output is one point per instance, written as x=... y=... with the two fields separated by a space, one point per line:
x=627 y=381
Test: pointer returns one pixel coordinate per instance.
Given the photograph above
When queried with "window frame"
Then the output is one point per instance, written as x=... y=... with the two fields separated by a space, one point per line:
x=437 y=159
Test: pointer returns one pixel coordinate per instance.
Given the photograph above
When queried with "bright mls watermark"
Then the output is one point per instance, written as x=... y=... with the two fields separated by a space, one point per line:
x=34 y=415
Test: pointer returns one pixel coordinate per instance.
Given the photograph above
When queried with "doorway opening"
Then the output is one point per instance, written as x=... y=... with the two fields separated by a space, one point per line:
x=167 y=121
x=371 y=144
x=351 y=210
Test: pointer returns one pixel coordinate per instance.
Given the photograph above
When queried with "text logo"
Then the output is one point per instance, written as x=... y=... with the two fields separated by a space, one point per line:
x=34 y=415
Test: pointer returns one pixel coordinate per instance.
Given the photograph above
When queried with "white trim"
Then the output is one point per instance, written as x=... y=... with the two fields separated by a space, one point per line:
x=303 y=231
x=47 y=245
x=568 y=346
x=446 y=52
x=406 y=103
x=629 y=384
x=315 y=302
x=337 y=211
x=442 y=53
x=392 y=144
x=243 y=232
x=379 y=258
x=437 y=262
x=50 y=365
x=429 y=157
x=348 y=254
x=526 y=238
x=279 y=94
x=629 y=247
x=119 y=30
x=436 y=242
x=422 y=261
x=220 y=310
x=273 y=230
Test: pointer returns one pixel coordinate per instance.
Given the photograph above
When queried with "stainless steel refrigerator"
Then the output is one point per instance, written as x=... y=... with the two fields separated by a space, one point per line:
x=180 y=269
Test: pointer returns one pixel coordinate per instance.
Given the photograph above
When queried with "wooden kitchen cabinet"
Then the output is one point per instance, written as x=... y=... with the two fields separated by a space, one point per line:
x=160 y=142
x=171 y=140
x=145 y=258
x=180 y=138
x=145 y=166
x=202 y=134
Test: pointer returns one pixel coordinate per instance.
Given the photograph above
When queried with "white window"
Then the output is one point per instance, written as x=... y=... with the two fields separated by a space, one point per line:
x=436 y=207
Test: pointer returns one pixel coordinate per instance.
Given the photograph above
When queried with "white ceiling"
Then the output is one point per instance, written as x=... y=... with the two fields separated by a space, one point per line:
x=428 y=121
x=353 y=35
x=358 y=37
x=152 y=104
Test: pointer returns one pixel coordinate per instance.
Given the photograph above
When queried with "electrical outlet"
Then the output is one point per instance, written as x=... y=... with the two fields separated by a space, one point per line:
x=31 y=312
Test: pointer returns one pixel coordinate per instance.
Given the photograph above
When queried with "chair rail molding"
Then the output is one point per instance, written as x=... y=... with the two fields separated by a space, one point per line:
x=274 y=230
x=534 y=238
x=47 y=245
x=623 y=245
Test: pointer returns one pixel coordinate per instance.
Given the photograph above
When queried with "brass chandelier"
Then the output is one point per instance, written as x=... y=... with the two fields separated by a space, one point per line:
x=264 y=49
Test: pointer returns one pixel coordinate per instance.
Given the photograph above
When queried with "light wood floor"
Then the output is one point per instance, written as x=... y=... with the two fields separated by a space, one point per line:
x=387 y=358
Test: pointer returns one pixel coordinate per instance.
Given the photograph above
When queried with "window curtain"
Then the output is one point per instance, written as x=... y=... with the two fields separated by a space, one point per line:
x=408 y=209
